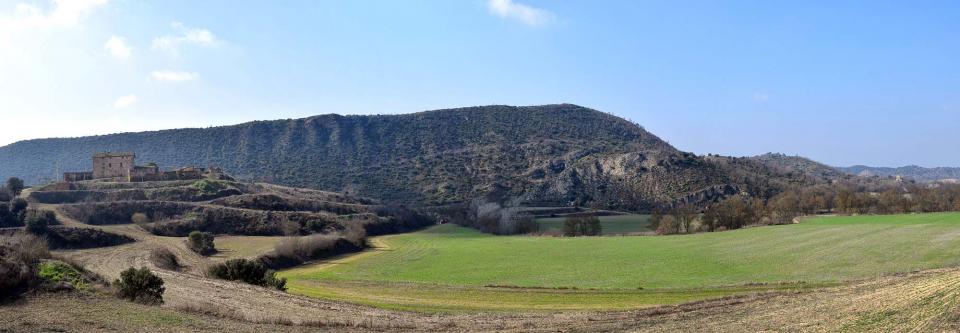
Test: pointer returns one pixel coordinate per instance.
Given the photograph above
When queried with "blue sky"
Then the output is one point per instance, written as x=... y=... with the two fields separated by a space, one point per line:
x=852 y=82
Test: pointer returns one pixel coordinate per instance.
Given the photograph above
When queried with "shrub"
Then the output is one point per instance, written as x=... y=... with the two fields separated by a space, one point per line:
x=37 y=221
x=7 y=219
x=526 y=224
x=201 y=242
x=18 y=255
x=60 y=272
x=248 y=271
x=581 y=225
x=292 y=251
x=207 y=186
x=83 y=238
x=18 y=206
x=140 y=285
x=164 y=258
x=139 y=218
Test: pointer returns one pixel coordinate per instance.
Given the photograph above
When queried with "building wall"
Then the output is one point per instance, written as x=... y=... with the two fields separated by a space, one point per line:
x=77 y=176
x=144 y=173
x=112 y=165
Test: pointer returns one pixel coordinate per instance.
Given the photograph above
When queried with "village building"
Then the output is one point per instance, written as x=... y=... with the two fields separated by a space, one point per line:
x=122 y=167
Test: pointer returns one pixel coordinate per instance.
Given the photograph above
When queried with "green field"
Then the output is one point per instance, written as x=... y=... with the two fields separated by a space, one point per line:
x=422 y=270
x=609 y=225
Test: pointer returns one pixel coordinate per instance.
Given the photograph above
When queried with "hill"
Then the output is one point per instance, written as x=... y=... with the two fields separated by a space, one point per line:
x=556 y=155
x=914 y=172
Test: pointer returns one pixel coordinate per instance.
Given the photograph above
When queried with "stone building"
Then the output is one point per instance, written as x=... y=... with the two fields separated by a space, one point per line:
x=123 y=166
x=111 y=165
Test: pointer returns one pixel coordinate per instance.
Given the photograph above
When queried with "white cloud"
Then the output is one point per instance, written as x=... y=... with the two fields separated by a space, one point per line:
x=65 y=13
x=196 y=36
x=118 y=47
x=173 y=76
x=508 y=9
x=125 y=101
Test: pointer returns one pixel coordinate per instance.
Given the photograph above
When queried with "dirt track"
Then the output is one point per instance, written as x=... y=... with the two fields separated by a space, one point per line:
x=923 y=301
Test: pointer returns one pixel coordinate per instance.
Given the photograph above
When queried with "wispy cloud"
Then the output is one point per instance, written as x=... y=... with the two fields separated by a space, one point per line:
x=125 y=101
x=173 y=76
x=64 y=13
x=525 y=14
x=186 y=35
x=118 y=47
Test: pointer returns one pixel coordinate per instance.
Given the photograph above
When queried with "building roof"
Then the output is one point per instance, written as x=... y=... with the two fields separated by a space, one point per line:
x=112 y=154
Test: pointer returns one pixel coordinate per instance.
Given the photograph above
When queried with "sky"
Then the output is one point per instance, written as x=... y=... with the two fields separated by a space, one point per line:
x=842 y=82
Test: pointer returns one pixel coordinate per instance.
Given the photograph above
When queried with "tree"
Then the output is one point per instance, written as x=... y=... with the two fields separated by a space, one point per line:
x=140 y=285
x=683 y=216
x=667 y=226
x=15 y=185
x=656 y=216
x=711 y=218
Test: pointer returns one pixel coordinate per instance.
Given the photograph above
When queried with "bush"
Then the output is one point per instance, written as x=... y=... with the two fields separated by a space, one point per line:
x=526 y=224
x=62 y=273
x=248 y=271
x=37 y=221
x=292 y=251
x=83 y=238
x=18 y=255
x=18 y=206
x=581 y=225
x=201 y=242
x=140 y=285
x=163 y=258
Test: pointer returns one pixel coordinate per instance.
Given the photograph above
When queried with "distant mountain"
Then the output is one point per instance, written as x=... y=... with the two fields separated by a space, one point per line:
x=536 y=155
x=914 y=172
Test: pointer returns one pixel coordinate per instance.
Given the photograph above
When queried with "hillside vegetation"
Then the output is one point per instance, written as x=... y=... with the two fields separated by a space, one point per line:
x=551 y=155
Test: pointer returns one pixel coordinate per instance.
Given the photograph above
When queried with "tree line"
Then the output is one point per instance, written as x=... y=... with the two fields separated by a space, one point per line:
x=738 y=211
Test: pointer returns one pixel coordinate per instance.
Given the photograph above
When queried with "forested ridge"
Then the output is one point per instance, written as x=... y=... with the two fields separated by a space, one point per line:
x=537 y=155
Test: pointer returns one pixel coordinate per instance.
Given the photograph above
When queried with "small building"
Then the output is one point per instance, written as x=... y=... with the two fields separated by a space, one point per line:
x=111 y=165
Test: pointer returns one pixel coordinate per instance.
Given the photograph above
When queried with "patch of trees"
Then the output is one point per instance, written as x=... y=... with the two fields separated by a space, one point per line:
x=841 y=198
x=492 y=218
x=83 y=238
x=582 y=224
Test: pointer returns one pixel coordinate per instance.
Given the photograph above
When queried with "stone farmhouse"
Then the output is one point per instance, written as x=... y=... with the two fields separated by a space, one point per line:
x=122 y=167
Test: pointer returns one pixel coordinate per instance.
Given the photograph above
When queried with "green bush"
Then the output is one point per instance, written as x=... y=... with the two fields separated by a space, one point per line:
x=210 y=186
x=140 y=285
x=60 y=272
x=201 y=242
x=248 y=271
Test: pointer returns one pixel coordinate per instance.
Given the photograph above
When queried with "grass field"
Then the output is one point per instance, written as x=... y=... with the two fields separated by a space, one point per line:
x=426 y=266
x=231 y=247
x=609 y=225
